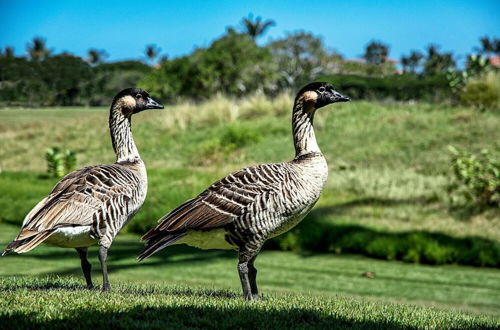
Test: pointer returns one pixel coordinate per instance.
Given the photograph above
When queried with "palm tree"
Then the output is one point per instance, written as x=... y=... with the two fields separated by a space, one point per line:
x=256 y=28
x=489 y=46
x=376 y=52
x=405 y=62
x=152 y=52
x=415 y=59
x=411 y=62
x=8 y=52
x=438 y=62
x=38 y=50
x=96 y=56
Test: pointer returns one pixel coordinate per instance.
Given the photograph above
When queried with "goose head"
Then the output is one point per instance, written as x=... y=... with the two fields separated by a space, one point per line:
x=134 y=100
x=319 y=94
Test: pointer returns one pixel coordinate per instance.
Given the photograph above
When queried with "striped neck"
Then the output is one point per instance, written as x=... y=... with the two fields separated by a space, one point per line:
x=303 y=130
x=121 y=136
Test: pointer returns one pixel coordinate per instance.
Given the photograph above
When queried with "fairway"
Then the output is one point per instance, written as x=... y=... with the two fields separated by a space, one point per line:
x=188 y=287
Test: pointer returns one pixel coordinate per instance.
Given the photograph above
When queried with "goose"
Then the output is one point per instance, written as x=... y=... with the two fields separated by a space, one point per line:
x=249 y=206
x=92 y=204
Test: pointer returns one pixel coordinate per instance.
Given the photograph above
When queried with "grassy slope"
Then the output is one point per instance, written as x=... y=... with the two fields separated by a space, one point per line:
x=389 y=163
x=189 y=287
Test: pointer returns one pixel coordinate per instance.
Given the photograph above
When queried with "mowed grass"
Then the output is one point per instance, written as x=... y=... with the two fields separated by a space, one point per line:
x=185 y=287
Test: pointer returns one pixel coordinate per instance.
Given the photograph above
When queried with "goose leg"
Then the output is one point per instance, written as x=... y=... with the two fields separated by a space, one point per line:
x=103 y=255
x=252 y=276
x=86 y=266
x=247 y=275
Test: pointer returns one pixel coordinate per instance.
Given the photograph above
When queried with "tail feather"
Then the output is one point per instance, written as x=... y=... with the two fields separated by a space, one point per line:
x=27 y=244
x=157 y=243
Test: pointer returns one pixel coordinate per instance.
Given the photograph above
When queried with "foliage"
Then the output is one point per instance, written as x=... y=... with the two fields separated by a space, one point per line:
x=152 y=52
x=401 y=87
x=38 y=50
x=489 y=46
x=7 y=52
x=436 y=62
x=60 y=163
x=232 y=65
x=476 y=66
x=480 y=95
x=256 y=27
x=96 y=56
x=376 y=52
x=483 y=91
x=477 y=177
x=300 y=57
x=412 y=62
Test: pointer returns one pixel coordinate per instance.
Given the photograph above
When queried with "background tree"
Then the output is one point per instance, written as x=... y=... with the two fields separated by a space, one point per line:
x=96 y=56
x=376 y=52
x=488 y=46
x=232 y=65
x=152 y=51
x=256 y=28
x=7 y=52
x=37 y=49
x=437 y=62
x=412 y=62
x=300 y=57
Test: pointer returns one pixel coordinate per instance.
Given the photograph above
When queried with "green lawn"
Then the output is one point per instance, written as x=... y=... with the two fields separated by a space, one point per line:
x=193 y=288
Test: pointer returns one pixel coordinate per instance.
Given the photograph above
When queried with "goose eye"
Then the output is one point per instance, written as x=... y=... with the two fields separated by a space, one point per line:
x=322 y=89
x=138 y=96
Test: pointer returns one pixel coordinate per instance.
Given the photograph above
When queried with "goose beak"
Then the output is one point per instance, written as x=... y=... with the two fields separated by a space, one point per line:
x=152 y=104
x=337 y=97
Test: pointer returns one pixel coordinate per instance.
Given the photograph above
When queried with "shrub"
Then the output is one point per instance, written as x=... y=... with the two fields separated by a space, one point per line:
x=476 y=178
x=60 y=163
x=402 y=87
x=482 y=93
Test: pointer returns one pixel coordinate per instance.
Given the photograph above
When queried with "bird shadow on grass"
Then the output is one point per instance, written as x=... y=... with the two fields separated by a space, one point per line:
x=319 y=234
x=127 y=251
x=182 y=317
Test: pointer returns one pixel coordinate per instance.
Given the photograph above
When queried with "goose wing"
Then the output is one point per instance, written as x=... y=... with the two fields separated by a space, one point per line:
x=217 y=206
x=79 y=199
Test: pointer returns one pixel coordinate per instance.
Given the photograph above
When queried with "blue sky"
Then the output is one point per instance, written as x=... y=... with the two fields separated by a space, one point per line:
x=123 y=28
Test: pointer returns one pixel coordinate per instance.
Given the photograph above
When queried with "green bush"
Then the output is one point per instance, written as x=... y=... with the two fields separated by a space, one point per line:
x=60 y=163
x=402 y=87
x=476 y=178
x=232 y=65
x=482 y=93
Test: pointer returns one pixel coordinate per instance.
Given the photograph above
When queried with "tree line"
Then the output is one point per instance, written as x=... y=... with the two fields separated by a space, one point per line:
x=234 y=65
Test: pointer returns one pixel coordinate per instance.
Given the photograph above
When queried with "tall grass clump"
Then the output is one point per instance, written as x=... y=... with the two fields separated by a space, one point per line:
x=220 y=110
x=389 y=183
